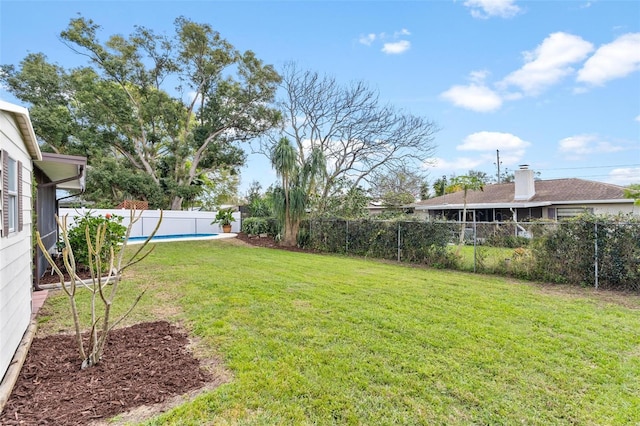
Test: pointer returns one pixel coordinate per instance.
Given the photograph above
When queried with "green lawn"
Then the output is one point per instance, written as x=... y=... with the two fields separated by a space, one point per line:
x=316 y=339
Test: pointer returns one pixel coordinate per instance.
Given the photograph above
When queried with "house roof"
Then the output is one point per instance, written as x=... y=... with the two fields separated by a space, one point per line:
x=21 y=115
x=65 y=171
x=547 y=192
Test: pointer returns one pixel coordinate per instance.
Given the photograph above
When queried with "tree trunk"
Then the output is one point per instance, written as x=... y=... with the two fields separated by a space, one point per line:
x=176 y=203
x=290 y=237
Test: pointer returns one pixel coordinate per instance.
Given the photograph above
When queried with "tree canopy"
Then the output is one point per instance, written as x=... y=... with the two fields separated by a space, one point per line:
x=168 y=110
x=398 y=187
x=357 y=135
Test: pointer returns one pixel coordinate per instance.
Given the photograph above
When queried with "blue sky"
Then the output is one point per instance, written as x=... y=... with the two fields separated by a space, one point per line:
x=551 y=84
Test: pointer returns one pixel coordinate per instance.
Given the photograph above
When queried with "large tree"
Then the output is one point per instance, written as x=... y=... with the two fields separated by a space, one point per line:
x=357 y=134
x=174 y=108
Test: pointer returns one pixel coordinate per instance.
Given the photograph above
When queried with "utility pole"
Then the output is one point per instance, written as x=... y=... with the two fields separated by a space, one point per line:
x=498 y=163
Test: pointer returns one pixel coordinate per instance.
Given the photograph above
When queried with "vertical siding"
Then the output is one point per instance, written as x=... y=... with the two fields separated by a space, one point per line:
x=15 y=253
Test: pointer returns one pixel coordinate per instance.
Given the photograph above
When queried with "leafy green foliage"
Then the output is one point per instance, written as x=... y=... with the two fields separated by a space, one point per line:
x=407 y=241
x=568 y=254
x=509 y=241
x=298 y=181
x=633 y=191
x=114 y=234
x=224 y=217
x=121 y=106
x=255 y=225
x=346 y=203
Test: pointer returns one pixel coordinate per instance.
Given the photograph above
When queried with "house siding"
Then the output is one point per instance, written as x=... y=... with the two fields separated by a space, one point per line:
x=15 y=251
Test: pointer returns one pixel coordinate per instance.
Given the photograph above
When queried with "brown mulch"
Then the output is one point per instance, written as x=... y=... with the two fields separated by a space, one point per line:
x=267 y=242
x=145 y=364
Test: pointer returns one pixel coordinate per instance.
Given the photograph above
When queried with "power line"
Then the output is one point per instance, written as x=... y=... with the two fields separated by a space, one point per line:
x=592 y=167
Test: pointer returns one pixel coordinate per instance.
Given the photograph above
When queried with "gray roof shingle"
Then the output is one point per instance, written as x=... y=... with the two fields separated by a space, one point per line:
x=553 y=191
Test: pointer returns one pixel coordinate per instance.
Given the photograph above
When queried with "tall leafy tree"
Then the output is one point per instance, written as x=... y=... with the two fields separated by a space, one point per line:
x=174 y=108
x=633 y=192
x=298 y=180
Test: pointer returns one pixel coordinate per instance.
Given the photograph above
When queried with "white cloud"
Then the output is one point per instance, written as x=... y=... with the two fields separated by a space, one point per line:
x=614 y=60
x=391 y=44
x=548 y=63
x=475 y=97
x=368 y=39
x=490 y=141
x=638 y=118
x=396 y=48
x=576 y=147
x=484 y=144
x=512 y=148
x=624 y=176
x=484 y=9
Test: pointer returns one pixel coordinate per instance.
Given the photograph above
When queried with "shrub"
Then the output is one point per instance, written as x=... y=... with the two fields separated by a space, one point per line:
x=255 y=225
x=260 y=225
x=114 y=235
x=507 y=241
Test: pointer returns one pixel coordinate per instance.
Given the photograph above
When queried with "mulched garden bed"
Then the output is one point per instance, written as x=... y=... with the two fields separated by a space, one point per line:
x=144 y=364
x=267 y=242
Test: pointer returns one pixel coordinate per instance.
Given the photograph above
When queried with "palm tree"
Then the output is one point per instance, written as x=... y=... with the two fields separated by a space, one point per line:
x=466 y=183
x=298 y=181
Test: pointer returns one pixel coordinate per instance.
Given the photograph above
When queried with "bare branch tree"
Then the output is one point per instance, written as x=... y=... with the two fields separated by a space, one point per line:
x=357 y=135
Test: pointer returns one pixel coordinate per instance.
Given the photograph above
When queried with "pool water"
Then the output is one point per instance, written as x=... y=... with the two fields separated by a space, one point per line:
x=173 y=237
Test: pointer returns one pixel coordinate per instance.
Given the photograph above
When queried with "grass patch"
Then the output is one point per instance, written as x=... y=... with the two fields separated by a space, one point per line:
x=315 y=339
x=487 y=259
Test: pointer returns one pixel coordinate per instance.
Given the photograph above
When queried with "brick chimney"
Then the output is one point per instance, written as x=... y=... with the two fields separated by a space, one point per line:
x=525 y=186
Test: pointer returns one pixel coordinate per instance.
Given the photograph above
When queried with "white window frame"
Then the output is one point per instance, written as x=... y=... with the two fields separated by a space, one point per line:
x=563 y=213
x=12 y=208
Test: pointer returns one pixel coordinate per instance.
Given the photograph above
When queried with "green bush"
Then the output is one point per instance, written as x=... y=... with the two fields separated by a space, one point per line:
x=260 y=225
x=255 y=225
x=568 y=254
x=507 y=241
x=419 y=241
x=78 y=240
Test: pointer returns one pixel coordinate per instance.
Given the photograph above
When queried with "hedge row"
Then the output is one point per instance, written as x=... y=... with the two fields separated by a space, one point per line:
x=601 y=251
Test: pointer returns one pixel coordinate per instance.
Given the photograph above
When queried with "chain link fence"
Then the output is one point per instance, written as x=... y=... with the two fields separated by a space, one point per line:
x=590 y=251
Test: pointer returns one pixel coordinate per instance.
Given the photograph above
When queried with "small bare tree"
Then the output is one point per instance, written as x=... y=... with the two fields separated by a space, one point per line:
x=103 y=288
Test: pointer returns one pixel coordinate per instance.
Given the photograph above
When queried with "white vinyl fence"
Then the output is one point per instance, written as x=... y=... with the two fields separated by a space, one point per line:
x=174 y=222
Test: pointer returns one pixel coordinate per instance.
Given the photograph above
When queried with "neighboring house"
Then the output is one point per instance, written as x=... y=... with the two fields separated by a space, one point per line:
x=527 y=199
x=18 y=152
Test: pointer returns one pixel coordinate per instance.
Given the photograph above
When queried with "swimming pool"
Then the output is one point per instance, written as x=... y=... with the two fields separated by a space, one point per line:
x=180 y=237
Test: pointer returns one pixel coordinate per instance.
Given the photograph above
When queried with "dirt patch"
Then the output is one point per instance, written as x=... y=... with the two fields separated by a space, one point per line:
x=147 y=368
x=267 y=242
